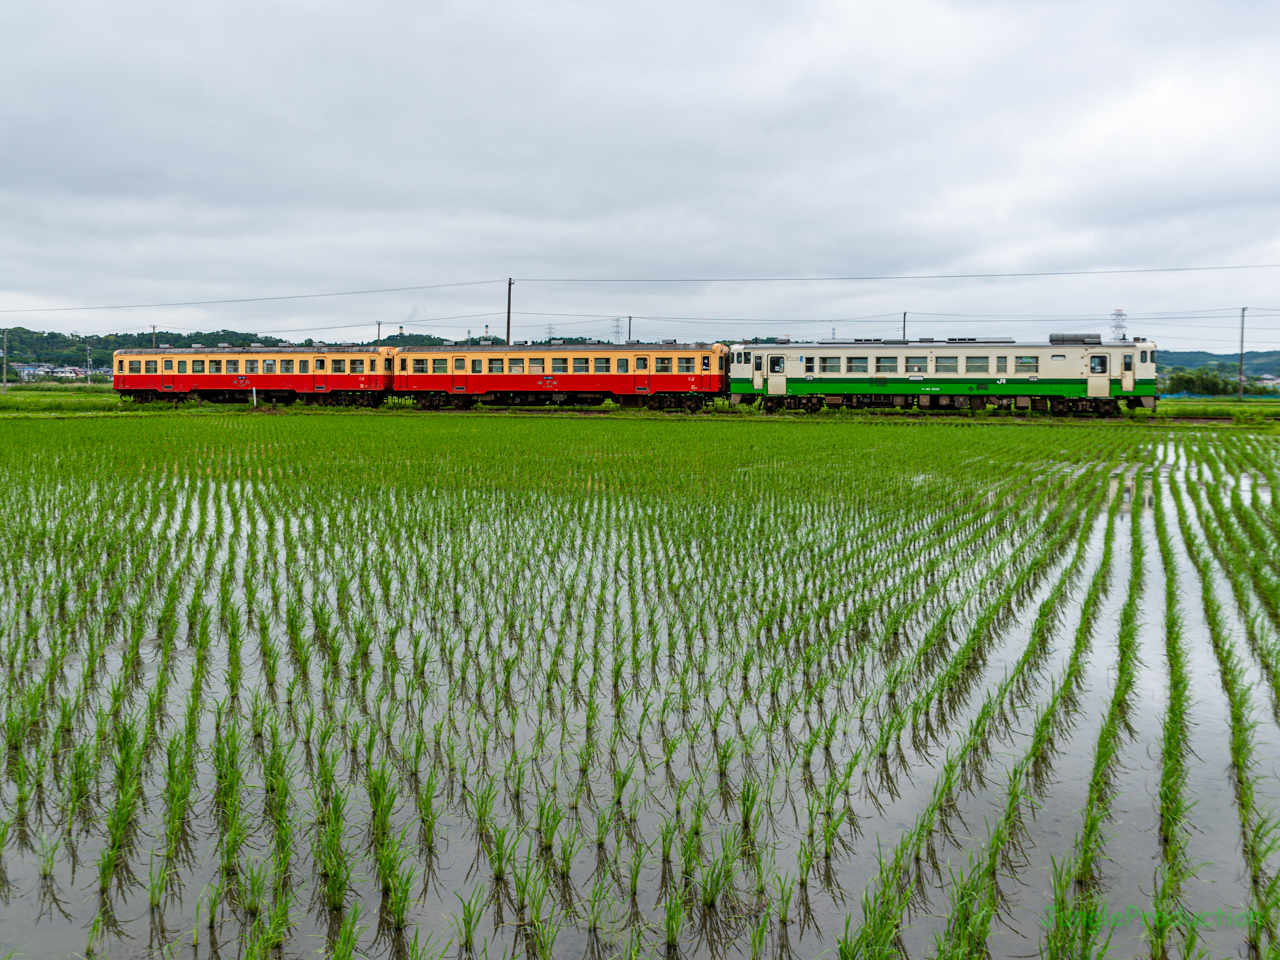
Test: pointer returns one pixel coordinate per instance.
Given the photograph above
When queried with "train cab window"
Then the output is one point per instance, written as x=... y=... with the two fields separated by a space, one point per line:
x=495 y=365
x=338 y=366
x=168 y=365
x=777 y=364
x=357 y=366
x=946 y=365
x=706 y=362
x=746 y=356
x=829 y=364
x=684 y=365
x=661 y=364
x=286 y=366
x=233 y=366
x=1026 y=364
x=624 y=365
x=404 y=365
x=537 y=365
x=182 y=366
x=917 y=364
x=197 y=366
x=1153 y=356
x=268 y=366
x=438 y=365
x=738 y=357
x=642 y=363
x=151 y=366
x=1143 y=356
x=581 y=365
x=251 y=366
x=1128 y=363
x=477 y=366
x=1097 y=364
x=419 y=364
x=386 y=365
x=1002 y=364
x=302 y=366
x=516 y=365
x=459 y=363
x=855 y=364
x=120 y=364
x=135 y=366
x=886 y=364
x=977 y=364
x=601 y=365
x=559 y=364
x=215 y=366
x=720 y=364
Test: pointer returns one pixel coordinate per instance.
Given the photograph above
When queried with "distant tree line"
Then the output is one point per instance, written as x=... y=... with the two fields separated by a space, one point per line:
x=1211 y=381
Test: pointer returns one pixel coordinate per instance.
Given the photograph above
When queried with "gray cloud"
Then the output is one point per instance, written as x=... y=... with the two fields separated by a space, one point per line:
x=155 y=152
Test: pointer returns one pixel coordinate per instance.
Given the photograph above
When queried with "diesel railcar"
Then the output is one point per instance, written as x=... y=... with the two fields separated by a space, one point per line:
x=1070 y=373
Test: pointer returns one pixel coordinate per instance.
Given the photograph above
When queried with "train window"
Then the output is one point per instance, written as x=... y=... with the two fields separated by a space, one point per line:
x=1058 y=356
x=829 y=364
x=495 y=365
x=120 y=364
x=419 y=364
x=1143 y=356
x=135 y=366
x=559 y=364
x=721 y=366
x=302 y=365
x=946 y=365
x=738 y=355
x=602 y=365
x=977 y=364
x=642 y=363
x=251 y=366
x=197 y=366
x=338 y=366
x=404 y=365
x=151 y=366
x=777 y=364
x=581 y=365
x=855 y=364
x=459 y=363
x=233 y=366
x=386 y=365
x=477 y=366
x=917 y=364
x=1097 y=364
x=684 y=365
x=1128 y=363
x=1153 y=356
x=537 y=365
x=662 y=364
x=1002 y=364
x=758 y=361
x=215 y=366
x=623 y=365
x=1026 y=364
x=439 y=365
x=268 y=366
x=357 y=366
x=168 y=365
x=808 y=364
x=706 y=362
x=182 y=366
x=286 y=366
x=516 y=365
x=886 y=364
x=746 y=356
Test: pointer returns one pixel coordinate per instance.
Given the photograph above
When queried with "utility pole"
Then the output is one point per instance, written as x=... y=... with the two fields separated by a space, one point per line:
x=4 y=384
x=628 y=328
x=153 y=336
x=379 y=333
x=1241 y=373
x=904 y=324
x=87 y=363
x=509 y=283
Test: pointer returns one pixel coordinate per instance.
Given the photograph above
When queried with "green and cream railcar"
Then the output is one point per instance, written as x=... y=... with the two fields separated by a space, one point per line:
x=1070 y=373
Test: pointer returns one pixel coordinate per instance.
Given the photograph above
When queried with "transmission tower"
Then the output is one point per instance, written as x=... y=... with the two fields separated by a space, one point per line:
x=617 y=329
x=551 y=331
x=1118 y=330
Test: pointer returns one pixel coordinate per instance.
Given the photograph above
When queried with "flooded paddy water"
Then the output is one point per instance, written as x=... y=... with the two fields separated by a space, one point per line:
x=434 y=687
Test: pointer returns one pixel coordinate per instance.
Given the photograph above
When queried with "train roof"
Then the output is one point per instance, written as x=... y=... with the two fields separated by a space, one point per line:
x=256 y=348
x=1055 y=340
x=447 y=347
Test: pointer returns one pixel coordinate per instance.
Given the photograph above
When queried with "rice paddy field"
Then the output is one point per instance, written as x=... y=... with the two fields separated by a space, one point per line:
x=437 y=687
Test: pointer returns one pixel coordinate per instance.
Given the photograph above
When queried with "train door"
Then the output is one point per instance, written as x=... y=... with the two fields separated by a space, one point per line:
x=319 y=374
x=757 y=372
x=1126 y=373
x=1099 y=374
x=166 y=373
x=777 y=375
x=459 y=365
x=641 y=382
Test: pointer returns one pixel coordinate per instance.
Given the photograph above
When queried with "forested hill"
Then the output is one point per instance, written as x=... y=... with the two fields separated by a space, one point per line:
x=1256 y=362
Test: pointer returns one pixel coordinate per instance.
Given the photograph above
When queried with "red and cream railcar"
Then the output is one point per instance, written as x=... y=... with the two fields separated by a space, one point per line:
x=224 y=374
x=656 y=375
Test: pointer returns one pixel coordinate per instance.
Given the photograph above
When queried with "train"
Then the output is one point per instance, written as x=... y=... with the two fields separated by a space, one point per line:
x=1068 y=373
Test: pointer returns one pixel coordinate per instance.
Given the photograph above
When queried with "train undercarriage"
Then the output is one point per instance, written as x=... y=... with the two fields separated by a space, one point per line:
x=1057 y=406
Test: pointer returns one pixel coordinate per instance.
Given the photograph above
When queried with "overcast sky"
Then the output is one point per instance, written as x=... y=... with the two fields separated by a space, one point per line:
x=158 y=152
